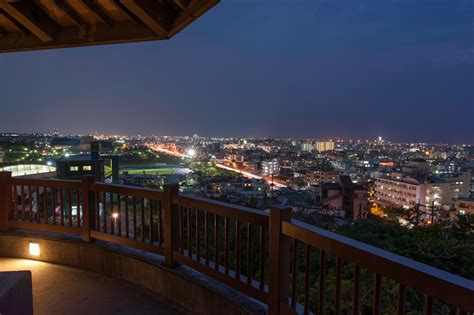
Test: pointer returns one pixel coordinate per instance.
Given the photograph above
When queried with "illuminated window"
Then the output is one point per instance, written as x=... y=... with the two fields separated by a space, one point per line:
x=74 y=168
x=87 y=168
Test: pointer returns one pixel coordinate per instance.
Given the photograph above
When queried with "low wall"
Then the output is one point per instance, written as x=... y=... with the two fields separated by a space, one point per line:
x=16 y=295
x=181 y=284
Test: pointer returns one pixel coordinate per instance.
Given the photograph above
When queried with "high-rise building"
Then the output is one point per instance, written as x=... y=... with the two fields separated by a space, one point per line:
x=270 y=167
x=324 y=145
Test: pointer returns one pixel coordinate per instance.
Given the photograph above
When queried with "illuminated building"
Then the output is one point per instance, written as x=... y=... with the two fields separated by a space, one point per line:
x=74 y=167
x=324 y=145
x=270 y=167
x=465 y=206
x=400 y=190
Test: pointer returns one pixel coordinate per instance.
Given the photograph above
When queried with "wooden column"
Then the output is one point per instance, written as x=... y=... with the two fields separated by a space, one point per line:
x=88 y=208
x=171 y=216
x=5 y=199
x=279 y=261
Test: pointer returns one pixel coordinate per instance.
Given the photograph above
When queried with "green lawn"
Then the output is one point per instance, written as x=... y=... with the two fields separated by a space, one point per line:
x=151 y=171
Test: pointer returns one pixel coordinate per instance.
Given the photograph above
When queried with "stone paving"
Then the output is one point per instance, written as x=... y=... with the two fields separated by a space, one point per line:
x=64 y=290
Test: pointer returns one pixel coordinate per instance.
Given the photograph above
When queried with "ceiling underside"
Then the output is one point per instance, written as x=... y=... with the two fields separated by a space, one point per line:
x=46 y=24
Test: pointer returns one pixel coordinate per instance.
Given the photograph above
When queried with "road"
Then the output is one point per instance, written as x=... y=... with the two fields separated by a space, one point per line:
x=158 y=148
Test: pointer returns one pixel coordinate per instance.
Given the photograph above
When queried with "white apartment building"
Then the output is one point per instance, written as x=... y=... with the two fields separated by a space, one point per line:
x=403 y=191
x=270 y=167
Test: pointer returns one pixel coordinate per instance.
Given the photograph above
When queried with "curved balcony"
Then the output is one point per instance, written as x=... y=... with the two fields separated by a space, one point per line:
x=208 y=255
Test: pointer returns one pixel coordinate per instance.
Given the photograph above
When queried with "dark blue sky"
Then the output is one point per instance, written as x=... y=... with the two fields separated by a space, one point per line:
x=402 y=69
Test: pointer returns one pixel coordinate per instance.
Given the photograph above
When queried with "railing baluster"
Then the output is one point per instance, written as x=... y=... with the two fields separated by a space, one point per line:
x=112 y=212
x=78 y=208
x=307 y=282
x=97 y=211
x=428 y=308
x=69 y=195
x=401 y=299
x=127 y=231
x=190 y=228
x=22 y=192
x=216 y=242
x=294 y=273
x=30 y=203
x=45 y=204
x=119 y=215
x=181 y=230
x=237 y=244
x=15 y=202
x=151 y=229
x=356 y=292
x=134 y=200
x=337 y=300
x=249 y=253
x=104 y=211
x=159 y=228
x=61 y=203
x=322 y=279
x=262 y=257
x=53 y=204
x=206 y=235
x=226 y=245
x=198 y=236
x=377 y=289
x=38 y=205
x=160 y=222
x=142 y=229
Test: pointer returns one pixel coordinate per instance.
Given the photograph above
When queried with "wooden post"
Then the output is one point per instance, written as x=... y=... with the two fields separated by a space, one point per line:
x=5 y=199
x=171 y=227
x=88 y=208
x=279 y=260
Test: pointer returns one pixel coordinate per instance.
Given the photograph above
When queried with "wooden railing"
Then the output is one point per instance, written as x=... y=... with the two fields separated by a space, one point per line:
x=288 y=265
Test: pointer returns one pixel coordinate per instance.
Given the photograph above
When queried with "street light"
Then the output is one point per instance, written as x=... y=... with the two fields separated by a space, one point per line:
x=191 y=152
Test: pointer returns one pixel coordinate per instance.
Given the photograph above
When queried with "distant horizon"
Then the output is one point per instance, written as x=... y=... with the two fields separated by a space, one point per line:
x=238 y=137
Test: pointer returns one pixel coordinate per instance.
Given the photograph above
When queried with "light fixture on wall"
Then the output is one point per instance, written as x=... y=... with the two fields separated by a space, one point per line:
x=34 y=249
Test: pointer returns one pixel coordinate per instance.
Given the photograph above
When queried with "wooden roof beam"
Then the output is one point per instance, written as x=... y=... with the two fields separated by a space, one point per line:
x=150 y=13
x=195 y=9
x=126 y=12
x=29 y=15
x=97 y=12
x=179 y=4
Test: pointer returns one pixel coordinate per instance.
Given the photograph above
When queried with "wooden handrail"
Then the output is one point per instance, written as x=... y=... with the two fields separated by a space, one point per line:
x=56 y=183
x=128 y=190
x=223 y=209
x=445 y=286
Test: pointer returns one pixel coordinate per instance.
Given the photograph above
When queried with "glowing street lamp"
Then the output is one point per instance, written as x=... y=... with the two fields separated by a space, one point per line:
x=191 y=152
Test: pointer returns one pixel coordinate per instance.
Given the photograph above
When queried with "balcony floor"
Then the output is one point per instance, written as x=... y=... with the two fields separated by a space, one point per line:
x=64 y=290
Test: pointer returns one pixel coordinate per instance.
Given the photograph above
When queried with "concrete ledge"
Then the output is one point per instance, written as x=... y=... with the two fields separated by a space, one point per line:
x=182 y=285
x=16 y=295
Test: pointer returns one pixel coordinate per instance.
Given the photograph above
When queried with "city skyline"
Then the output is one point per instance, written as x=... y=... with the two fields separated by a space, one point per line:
x=313 y=138
x=352 y=69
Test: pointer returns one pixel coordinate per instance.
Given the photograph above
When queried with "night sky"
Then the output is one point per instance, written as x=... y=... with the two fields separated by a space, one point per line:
x=401 y=69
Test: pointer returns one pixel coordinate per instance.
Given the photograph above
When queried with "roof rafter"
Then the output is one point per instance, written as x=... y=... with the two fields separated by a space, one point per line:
x=97 y=12
x=46 y=24
x=151 y=13
x=195 y=9
x=30 y=16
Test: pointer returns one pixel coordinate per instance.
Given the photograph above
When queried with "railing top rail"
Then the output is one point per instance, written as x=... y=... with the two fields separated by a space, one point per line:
x=223 y=209
x=437 y=283
x=128 y=190
x=56 y=183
